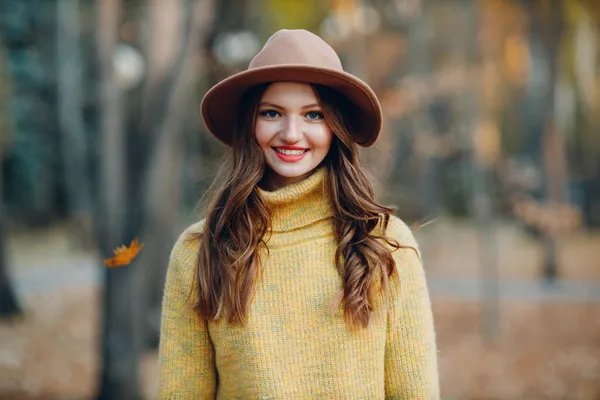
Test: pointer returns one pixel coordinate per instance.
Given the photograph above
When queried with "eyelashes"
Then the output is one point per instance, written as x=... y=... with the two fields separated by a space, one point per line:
x=266 y=113
x=318 y=114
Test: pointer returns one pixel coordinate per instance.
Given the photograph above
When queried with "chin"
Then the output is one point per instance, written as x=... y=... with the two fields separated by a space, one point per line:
x=291 y=171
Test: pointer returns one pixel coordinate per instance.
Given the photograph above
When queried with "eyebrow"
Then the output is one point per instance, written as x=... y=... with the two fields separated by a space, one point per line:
x=266 y=103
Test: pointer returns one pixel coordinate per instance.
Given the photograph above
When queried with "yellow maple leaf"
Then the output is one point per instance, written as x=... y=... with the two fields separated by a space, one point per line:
x=124 y=255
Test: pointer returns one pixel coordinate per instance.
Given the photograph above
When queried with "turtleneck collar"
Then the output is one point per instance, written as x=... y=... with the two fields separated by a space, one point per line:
x=299 y=204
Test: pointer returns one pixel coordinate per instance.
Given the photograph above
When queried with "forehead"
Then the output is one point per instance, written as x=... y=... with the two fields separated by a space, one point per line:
x=291 y=92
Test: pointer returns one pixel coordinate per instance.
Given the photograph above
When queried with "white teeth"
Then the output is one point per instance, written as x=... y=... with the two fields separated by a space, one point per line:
x=290 y=152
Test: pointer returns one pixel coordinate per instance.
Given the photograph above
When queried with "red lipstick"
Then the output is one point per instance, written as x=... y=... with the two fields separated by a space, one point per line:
x=295 y=157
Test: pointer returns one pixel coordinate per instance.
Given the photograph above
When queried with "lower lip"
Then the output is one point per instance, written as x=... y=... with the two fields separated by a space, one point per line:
x=290 y=157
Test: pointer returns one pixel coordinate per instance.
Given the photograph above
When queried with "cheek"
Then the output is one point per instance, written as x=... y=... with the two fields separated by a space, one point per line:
x=320 y=139
x=263 y=134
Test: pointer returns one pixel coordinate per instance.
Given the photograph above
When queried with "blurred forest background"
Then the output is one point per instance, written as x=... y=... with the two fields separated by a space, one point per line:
x=491 y=140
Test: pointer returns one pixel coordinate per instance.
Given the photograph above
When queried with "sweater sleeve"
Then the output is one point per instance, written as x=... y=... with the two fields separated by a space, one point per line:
x=186 y=355
x=410 y=354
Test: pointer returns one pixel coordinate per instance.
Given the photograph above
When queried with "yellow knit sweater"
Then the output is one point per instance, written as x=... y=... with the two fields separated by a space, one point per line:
x=292 y=347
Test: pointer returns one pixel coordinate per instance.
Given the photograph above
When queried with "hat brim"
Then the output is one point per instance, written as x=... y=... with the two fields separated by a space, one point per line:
x=219 y=101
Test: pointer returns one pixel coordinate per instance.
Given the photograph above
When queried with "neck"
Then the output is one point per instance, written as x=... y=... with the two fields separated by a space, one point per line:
x=299 y=204
x=272 y=181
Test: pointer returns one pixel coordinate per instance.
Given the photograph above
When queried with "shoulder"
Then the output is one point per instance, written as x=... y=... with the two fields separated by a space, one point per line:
x=184 y=254
x=398 y=230
x=189 y=239
x=408 y=256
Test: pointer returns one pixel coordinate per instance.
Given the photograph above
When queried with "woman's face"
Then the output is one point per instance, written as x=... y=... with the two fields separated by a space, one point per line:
x=291 y=131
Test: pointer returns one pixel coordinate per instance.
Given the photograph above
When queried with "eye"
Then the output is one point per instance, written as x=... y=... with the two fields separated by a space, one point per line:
x=314 y=115
x=269 y=113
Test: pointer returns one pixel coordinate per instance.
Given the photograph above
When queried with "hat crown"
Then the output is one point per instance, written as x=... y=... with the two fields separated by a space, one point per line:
x=296 y=46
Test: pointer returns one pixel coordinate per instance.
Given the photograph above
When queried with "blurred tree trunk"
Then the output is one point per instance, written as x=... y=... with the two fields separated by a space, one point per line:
x=555 y=161
x=546 y=30
x=9 y=305
x=8 y=301
x=420 y=68
x=71 y=125
x=32 y=184
x=119 y=356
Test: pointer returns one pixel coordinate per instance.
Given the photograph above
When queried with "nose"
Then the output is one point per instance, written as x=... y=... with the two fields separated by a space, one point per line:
x=292 y=130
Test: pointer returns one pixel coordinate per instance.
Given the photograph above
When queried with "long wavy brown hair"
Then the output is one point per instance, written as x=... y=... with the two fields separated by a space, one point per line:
x=237 y=220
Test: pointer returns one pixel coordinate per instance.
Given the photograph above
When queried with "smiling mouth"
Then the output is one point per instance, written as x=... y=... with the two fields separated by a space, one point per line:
x=289 y=152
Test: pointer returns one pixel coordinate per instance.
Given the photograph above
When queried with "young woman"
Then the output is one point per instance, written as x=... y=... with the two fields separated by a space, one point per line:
x=297 y=284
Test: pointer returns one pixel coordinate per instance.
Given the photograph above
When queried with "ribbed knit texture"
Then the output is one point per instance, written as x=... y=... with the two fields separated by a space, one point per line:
x=292 y=347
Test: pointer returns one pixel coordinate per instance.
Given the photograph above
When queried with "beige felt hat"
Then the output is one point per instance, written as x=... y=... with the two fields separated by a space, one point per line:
x=293 y=55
